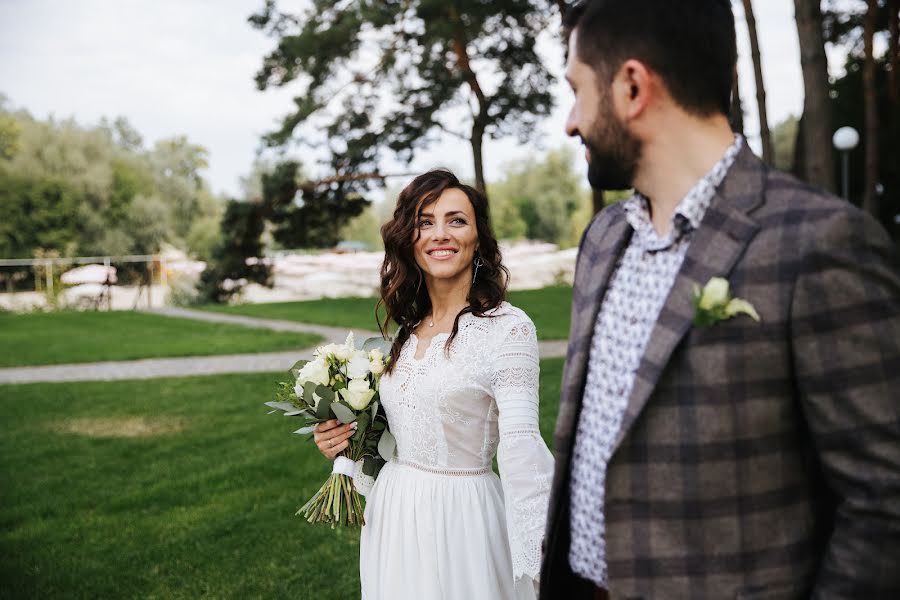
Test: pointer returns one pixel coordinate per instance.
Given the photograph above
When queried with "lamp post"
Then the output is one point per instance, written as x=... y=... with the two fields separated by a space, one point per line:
x=845 y=139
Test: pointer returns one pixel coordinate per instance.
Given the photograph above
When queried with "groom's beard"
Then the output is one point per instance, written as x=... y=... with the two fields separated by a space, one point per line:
x=614 y=155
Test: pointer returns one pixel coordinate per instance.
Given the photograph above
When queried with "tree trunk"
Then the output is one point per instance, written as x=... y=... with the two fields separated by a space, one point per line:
x=894 y=49
x=478 y=126
x=477 y=142
x=870 y=197
x=818 y=165
x=736 y=118
x=764 y=133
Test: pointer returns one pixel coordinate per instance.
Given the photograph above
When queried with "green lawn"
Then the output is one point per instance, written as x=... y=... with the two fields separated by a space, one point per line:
x=53 y=338
x=549 y=308
x=200 y=507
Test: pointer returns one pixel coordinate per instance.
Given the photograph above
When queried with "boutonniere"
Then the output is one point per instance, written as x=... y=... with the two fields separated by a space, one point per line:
x=714 y=303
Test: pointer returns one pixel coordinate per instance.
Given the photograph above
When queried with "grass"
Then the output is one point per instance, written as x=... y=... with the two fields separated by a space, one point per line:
x=174 y=488
x=549 y=308
x=53 y=338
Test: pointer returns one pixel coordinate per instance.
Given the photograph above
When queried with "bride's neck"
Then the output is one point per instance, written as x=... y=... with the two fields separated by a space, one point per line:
x=447 y=299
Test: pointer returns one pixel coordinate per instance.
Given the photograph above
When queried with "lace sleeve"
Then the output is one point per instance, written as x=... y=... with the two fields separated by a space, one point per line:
x=526 y=465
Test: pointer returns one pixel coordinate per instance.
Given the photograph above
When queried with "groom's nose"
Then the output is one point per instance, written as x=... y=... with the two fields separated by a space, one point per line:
x=571 y=125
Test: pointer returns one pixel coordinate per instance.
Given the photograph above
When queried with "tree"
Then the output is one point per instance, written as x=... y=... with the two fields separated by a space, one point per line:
x=784 y=136
x=546 y=194
x=870 y=198
x=102 y=188
x=894 y=54
x=863 y=95
x=736 y=116
x=229 y=269
x=37 y=214
x=814 y=160
x=760 y=84
x=389 y=75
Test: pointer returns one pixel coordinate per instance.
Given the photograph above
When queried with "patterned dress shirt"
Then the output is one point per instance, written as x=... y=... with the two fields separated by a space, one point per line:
x=637 y=291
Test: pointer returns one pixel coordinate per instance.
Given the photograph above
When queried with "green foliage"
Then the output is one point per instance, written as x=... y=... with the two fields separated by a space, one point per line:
x=544 y=196
x=95 y=190
x=65 y=337
x=309 y=215
x=37 y=213
x=428 y=60
x=227 y=271
x=784 y=137
x=365 y=228
x=9 y=137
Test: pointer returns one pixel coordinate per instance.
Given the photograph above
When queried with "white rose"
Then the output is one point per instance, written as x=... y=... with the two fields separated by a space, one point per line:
x=327 y=350
x=375 y=355
x=714 y=294
x=315 y=371
x=358 y=366
x=343 y=352
x=377 y=367
x=358 y=394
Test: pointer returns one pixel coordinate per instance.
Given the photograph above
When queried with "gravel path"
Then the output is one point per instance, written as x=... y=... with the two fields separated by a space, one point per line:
x=151 y=368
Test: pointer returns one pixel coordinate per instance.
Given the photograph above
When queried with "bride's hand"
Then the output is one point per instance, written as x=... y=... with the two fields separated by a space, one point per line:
x=331 y=437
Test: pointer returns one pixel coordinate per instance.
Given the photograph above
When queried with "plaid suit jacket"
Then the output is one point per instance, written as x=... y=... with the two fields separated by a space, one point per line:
x=755 y=460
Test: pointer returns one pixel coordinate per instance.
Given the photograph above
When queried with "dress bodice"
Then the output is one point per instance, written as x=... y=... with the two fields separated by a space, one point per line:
x=455 y=408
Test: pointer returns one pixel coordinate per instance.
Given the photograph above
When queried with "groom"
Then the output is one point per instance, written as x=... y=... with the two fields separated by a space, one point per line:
x=756 y=453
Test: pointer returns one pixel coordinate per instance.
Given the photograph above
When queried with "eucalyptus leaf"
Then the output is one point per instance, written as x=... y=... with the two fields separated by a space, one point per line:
x=309 y=389
x=368 y=467
x=294 y=413
x=286 y=406
x=325 y=393
x=378 y=343
x=305 y=430
x=386 y=445
x=374 y=409
x=323 y=410
x=362 y=424
x=344 y=414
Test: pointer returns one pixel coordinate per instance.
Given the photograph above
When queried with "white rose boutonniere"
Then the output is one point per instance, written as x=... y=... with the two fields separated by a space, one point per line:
x=714 y=303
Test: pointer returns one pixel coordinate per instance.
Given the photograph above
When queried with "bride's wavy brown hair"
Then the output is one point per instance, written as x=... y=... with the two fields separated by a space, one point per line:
x=404 y=295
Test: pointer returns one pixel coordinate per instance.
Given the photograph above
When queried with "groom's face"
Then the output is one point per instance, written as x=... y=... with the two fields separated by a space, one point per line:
x=612 y=152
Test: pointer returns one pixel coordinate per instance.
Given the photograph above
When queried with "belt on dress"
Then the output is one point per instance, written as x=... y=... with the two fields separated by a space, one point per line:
x=439 y=471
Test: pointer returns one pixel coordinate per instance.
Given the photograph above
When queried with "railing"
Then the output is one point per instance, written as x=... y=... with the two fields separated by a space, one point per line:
x=47 y=265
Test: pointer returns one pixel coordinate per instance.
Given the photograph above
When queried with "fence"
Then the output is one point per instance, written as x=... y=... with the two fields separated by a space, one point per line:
x=46 y=269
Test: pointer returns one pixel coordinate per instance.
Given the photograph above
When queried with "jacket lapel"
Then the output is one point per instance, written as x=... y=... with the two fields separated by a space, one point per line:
x=601 y=250
x=716 y=246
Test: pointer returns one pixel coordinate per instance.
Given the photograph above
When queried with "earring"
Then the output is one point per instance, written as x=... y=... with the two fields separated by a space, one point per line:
x=478 y=263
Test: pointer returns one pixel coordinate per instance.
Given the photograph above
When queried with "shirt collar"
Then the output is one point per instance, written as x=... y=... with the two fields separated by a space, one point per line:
x=690 y=211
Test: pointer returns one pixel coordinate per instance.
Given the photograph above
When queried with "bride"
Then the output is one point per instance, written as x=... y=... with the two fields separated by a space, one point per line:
x=461 y=388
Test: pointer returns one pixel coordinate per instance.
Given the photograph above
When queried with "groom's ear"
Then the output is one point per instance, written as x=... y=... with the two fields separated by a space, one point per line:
x=634 y=87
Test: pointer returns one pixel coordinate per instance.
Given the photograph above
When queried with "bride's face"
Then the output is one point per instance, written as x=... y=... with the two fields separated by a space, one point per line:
x=447 y=237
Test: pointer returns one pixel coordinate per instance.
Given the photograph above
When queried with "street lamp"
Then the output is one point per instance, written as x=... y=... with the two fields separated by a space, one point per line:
x=845 y=139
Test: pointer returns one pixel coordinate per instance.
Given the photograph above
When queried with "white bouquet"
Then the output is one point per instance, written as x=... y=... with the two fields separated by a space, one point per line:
x=341 y=382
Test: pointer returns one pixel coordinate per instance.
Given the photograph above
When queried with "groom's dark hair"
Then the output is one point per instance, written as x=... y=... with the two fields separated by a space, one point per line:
x=690 y=44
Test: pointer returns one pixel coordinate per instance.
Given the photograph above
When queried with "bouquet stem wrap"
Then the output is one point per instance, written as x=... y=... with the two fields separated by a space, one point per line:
x=337 y=502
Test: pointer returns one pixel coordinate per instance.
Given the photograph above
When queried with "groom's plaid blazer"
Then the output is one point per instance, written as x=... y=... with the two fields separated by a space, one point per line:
x=755 y=460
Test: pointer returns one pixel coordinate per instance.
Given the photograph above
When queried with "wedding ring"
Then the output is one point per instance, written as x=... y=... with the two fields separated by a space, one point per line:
x=331 y=443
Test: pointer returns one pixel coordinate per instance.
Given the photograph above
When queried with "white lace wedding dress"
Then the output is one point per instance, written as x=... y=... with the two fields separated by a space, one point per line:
x=440 y=524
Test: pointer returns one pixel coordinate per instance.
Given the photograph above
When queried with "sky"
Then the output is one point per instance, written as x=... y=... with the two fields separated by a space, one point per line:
x=186 y=67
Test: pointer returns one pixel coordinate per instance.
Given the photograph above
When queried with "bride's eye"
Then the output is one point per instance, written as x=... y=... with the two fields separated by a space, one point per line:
x=424 y=223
